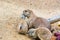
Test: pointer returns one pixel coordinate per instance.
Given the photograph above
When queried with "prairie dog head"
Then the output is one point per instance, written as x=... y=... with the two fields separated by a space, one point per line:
x=22 y=27
x=27 y=13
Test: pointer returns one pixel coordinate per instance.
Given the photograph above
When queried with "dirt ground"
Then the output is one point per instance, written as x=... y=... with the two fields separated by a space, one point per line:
x=11 y=10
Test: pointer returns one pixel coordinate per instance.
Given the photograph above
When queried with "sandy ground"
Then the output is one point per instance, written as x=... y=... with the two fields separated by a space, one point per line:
x=11 y=10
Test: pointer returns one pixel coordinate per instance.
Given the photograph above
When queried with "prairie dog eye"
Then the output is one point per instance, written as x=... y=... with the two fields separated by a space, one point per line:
x=21 y=27
x=25 y=10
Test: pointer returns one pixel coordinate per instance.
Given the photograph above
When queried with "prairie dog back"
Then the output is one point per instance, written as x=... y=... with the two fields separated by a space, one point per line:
x=41 y=22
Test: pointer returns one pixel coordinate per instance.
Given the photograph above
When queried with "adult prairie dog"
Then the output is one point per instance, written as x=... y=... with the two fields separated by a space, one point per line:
x=34 y=21
x=42 y=32
x=30 y=15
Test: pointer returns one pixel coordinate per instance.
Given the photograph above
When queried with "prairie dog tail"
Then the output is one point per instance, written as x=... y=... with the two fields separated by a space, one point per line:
x=54 y=19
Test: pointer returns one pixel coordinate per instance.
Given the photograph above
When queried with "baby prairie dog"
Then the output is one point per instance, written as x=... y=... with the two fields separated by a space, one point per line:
x=42 y=32
x=22 y=27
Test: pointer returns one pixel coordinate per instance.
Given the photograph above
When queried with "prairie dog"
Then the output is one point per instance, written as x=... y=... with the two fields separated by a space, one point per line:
x=42 y=32
x=30 y=15
x=22 y=27
x=33 y=20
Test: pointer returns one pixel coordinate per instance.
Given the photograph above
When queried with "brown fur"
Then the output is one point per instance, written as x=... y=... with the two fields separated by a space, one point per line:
x=40 y=22
x=41 y=32
x=34 y=21
x=24 y=28
x=44 y=33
